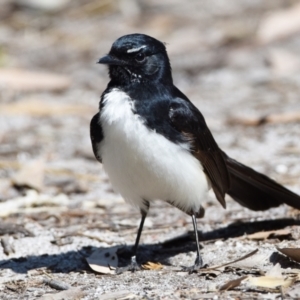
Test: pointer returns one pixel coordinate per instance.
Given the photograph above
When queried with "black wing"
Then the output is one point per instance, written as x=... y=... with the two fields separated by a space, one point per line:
x=245 y=185
x=188 y=120
x=96 y=134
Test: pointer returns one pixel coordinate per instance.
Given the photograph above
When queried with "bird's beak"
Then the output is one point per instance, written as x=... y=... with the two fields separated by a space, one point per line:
x=109 y=60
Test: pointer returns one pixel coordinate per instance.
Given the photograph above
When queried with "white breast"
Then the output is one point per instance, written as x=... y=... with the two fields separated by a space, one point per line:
x=143 y=164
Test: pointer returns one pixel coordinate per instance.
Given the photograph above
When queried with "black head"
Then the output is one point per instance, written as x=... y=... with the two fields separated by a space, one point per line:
x=138 y=58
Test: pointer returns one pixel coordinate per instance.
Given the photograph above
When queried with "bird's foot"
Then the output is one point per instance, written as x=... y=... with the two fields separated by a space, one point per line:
x=197 y=265
x=132 y=267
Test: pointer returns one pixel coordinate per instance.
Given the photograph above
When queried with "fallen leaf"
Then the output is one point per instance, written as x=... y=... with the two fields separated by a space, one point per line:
x=279 y=24
x=152 y=266
x=232 y=284
x=70 y=294
x=31 y=175
x=27 y=81
x=104 y=261
x=120 y=295
x=292 y=253
x=263 y=235
x=273 y=279
x=270 y=282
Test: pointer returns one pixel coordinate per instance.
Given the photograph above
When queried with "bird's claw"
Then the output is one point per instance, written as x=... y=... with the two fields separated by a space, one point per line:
x=197 y=265
x=132 y=267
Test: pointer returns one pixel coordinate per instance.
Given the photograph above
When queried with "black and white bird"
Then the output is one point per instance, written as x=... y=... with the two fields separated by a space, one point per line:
x=155 y=144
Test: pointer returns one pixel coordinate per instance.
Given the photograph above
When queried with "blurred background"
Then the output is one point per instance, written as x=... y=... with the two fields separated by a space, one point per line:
x=237 y=60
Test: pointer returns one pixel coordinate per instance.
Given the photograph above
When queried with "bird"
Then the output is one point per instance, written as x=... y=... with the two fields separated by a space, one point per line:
x=154 y=143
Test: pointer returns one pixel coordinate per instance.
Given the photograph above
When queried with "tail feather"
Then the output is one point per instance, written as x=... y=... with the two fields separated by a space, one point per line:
x=255 y=190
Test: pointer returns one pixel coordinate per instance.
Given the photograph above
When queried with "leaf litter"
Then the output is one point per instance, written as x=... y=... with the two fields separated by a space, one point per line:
x=272 y=234
x=292 y=253
x=104 y=261
x=152 y=266
x=276 y=278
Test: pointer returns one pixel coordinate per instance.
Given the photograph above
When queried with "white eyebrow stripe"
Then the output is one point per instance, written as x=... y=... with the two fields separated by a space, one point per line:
x=135 y=49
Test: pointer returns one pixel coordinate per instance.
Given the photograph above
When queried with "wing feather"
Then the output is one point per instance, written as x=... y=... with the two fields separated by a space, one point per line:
x=188 y=120
x=96 y=135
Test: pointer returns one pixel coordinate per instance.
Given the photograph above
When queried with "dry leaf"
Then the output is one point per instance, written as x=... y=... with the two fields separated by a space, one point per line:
x=71 y=294
x=31 y=175
x=273 y=279
x=23 y=80
x=120 y=295
x=152 y=266
x=292 y=253
x=104 y=261
x=232 y=284
x=279 y=24
x=262 y=235
x=270 y=282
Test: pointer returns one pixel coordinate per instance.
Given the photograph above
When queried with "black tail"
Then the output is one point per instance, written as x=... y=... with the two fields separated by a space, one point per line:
x=255 y=190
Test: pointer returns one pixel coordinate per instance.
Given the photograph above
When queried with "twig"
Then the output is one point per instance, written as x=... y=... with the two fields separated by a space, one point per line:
x=231 y=262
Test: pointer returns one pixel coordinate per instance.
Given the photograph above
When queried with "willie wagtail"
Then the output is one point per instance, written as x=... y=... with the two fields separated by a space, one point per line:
x=155 y=144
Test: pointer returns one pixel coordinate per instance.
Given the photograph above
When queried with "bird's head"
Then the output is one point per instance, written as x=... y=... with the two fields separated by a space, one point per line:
x=138 y=58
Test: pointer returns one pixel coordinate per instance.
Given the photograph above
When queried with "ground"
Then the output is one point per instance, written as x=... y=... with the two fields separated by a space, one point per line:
x=56 y=204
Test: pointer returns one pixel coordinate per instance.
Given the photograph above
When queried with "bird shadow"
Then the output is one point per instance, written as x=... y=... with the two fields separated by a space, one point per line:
x=74 y=261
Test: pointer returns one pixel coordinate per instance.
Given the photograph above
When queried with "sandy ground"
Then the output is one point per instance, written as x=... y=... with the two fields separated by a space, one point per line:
x=56 y=203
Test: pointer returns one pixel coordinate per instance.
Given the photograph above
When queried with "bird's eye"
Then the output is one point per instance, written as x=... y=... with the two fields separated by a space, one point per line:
x=140 y=57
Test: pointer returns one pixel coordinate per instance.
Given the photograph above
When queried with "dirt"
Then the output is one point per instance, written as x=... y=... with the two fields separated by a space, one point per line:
x=56 y=203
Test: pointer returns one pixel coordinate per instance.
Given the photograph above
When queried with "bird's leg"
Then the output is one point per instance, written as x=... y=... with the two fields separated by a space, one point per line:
x=133 y=264
x=198 y=262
